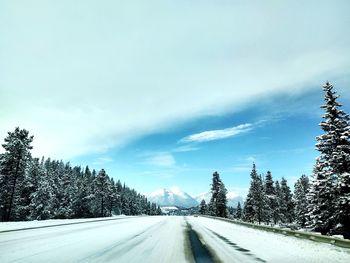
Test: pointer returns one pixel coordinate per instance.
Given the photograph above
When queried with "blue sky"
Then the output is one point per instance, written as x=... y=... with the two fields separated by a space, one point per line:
x=281 y=139
x=163 y=93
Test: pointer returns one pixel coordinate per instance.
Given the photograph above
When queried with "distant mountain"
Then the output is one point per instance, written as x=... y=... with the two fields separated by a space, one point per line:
x=232 y=198
x=178 y=198
x=203 y=196
x=172 y=197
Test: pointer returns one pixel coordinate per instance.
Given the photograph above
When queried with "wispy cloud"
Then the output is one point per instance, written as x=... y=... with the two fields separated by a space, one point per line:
x=186 y=148
x=161 y=159
x=217 y=134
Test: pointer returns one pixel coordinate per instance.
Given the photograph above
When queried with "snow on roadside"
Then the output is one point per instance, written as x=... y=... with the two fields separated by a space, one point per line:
x=6 y=226
x=267 y=246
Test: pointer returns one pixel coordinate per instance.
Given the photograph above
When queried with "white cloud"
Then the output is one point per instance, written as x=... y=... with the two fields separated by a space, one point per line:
x=186 y=148
x=217 y=134
x=161 y=159
x=125 y=70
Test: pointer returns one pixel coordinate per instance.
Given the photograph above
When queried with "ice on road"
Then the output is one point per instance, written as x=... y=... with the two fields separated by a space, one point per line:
x=159 y=239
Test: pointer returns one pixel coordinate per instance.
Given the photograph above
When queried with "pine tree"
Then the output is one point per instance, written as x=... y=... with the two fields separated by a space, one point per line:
x=277 y=216
x=321 y=197
x=286 y=206
x=343 y=205
x=301 y=189
x=41 y=206
x=215 y=187
x=12 y=171
x=218 y=201
x=221 y=204
x=331 y=174
x=100 y=196
x=255 y=207
x=203 y=207
x=238 y=214
x=270 y=194
x=334 y=144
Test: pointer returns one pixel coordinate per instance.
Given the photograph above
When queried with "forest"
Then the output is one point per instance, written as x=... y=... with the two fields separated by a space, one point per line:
x=33 y=189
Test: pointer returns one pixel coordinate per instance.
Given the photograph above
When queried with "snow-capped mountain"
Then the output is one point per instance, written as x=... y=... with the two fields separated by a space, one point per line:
x=203 y=196
x=232 y=198
x=176 y=197
x=172 y=197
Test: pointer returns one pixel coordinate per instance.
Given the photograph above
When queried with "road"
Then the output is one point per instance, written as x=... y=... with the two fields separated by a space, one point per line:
x=161 y=239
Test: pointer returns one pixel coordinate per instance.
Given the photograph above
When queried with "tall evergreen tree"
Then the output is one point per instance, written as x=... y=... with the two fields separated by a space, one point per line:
x=255 y=206
x=215 y=187
x=286 y=206
x=321 y=197
x=301 y=189
x=331 y=174
x=12 y=171
x=238 y=214
x=218 y=201
x=277 y=216
x=203 y=207
x=221 y=202
x=270 y=194
x=100 y=195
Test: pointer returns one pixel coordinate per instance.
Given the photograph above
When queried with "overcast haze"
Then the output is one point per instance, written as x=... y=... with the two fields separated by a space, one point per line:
x=138 y=84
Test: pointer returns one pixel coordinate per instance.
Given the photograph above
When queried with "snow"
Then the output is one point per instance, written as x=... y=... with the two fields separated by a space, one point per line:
x=155 y=239
x=6 y=226
x=136 y=239
x=261 y=245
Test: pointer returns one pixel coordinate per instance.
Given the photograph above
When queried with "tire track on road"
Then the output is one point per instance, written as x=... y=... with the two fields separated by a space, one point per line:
x=237 y=247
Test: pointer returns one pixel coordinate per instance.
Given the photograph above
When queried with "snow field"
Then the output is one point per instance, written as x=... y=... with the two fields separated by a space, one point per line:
x=245 y=244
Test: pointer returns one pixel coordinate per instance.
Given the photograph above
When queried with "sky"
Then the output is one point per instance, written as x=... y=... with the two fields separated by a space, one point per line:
x=163 y=93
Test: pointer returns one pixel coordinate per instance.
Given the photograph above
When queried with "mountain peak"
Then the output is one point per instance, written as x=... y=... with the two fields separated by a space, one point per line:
x=172 y=197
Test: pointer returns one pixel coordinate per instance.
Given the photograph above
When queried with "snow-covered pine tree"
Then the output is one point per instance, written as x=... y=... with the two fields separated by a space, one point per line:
x=287 y=206
x=321 y=198
x=301 y=188
x=100 y=196
x=343 y=204
x=81 y=203
x=334 y=144
x=277 y=216
x=12 y=171
x=203 y=207
x=218 y=201
x=221 y=201
x=238 y=214
x=215 y=187
x=255 y=206
x=30 y=185
x=41 y=205
x=332 y=169
x=270 y=194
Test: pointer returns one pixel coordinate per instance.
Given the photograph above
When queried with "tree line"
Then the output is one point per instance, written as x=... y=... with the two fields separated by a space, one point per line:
x=33 y=189
x=321 y=203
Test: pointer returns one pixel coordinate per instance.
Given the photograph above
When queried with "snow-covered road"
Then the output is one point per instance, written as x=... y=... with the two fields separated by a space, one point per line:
x=159 y=239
